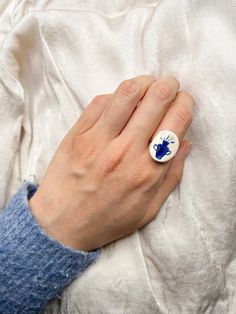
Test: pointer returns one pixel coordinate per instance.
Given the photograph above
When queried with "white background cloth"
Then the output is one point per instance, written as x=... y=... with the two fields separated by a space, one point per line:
x=55 y=56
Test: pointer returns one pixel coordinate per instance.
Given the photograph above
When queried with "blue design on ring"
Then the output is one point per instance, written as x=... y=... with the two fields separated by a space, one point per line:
x=163 y=149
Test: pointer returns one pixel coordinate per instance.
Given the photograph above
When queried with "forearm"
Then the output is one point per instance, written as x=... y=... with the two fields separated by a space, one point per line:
x=34 y=268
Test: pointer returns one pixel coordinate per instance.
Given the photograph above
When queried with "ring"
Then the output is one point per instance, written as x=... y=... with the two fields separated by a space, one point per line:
x=164 y=146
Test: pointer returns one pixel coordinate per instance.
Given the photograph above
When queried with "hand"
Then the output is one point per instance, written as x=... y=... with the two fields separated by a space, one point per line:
x=102 y=183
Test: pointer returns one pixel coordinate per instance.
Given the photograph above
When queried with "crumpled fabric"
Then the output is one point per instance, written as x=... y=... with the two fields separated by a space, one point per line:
x=55 y=56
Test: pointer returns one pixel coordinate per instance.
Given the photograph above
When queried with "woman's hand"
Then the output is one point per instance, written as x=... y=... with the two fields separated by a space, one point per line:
x=102 y=183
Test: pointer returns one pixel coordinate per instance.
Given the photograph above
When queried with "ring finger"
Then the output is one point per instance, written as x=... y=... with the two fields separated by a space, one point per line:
x=179 y=116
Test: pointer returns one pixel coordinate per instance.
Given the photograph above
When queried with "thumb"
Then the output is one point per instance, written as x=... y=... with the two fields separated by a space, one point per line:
x=171 y=180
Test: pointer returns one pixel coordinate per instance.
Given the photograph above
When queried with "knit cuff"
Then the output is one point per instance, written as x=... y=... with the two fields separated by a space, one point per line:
x=41 y=266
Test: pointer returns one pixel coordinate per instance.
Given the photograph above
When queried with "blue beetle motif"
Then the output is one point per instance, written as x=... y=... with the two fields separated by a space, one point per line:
x=163 y=149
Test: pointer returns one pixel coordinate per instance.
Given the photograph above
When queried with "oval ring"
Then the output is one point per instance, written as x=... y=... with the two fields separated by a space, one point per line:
x=164 y=146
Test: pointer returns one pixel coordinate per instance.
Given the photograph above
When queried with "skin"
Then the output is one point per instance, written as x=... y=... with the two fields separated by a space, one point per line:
x=102 y=184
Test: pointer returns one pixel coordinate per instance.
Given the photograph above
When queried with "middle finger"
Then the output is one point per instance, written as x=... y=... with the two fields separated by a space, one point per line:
x=151 y=110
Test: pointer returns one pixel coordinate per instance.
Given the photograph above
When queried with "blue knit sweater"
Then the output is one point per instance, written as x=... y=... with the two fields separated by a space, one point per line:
x=34 y=268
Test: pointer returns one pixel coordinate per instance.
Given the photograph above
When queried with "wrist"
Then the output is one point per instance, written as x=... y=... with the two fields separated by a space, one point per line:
x=62 y=230
x=34 y=264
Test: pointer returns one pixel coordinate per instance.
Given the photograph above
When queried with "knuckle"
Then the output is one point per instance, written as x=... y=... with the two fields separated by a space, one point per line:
x=184 y=116
x=173 y=78
x=146 y=78
x=151 y=215
x=129 y=88
x=99 y=99
x=186 y=97
x=113 y=160
x=139 y=178
x=163 y=91
x=78 y=152
x=149 y=77
x=110 y=165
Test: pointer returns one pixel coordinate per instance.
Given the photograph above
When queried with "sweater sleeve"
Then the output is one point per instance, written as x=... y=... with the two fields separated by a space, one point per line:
x=34 y=268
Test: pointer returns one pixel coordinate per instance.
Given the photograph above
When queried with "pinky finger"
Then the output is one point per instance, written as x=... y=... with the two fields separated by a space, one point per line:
x=170 y=182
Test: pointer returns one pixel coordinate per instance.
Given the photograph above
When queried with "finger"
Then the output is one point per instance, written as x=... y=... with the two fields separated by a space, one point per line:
x=179 y=116
x=153 y=107
x=171 y=180
x=92 y=113
x=123 y=103
x=177 y=119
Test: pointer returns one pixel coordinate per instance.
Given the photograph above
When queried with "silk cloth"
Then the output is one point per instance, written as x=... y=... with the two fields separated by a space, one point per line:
x=55 y=56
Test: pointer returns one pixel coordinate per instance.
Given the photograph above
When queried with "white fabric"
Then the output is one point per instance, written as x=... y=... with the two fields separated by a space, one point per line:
x=55 y=56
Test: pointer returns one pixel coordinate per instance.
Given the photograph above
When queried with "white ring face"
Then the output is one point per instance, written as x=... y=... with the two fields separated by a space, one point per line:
x=164 y=146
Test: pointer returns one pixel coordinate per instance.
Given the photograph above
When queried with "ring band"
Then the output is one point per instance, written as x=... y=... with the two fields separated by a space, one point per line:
x=164 y=146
